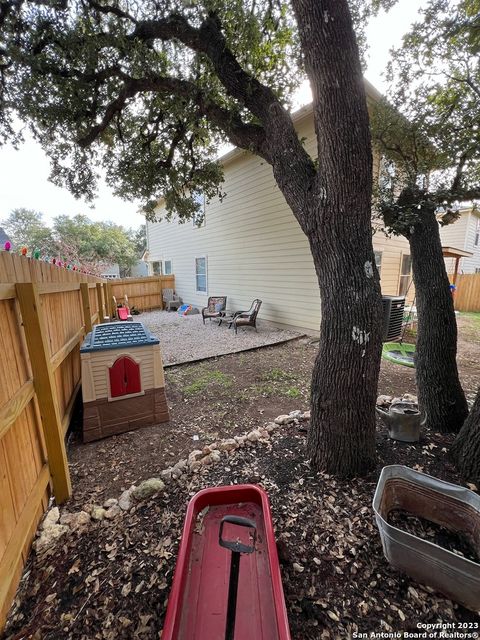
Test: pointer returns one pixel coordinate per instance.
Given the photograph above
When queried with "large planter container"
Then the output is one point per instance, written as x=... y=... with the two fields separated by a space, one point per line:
x=451 y=506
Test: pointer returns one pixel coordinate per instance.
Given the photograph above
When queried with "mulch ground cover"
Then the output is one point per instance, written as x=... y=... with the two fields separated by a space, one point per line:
x=111 y=579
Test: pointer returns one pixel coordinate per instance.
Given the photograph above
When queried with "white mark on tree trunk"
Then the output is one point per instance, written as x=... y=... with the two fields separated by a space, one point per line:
x=326 y=17
x=368 y=269
x=360 y=336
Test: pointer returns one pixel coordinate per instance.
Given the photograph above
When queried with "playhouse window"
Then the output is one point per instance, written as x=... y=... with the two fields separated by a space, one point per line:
x=124 y=377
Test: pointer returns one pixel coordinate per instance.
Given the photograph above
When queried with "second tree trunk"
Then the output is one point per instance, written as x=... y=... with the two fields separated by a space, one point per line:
x=439 y=390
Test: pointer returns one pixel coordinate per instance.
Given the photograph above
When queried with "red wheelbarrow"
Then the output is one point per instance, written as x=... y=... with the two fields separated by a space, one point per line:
x=227 y=583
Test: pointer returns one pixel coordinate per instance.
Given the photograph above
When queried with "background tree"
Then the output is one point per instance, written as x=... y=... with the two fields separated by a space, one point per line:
x=148 y=91
x=94 y=243
x=26 y=228
x=430 y=132
x=76 y=240
x=139 y=239
x=466 y=448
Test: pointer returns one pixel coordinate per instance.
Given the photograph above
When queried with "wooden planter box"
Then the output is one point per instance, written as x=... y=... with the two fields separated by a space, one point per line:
x=122 y=380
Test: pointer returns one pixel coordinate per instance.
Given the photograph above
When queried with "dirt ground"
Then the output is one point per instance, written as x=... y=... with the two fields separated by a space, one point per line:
x=113 y=579
x=224 y=396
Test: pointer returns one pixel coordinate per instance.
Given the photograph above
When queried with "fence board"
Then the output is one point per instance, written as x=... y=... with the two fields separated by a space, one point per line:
x=142 y=293
x=35 y=333
x=467 y=296
x=24 y=473
x=44 y=313
x=16 y=543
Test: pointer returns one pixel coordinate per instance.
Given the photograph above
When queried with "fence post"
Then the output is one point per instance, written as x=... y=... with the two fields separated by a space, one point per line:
x=160 y=283
x=101 y=309
x=106 y=294
x=43 y=380
x=87 y=314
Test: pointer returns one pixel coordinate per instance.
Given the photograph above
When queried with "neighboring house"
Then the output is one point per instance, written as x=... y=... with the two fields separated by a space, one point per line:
x=251 y=246
x=3 y=238
x=139 y=269
x=464 y=234
x=110 y=271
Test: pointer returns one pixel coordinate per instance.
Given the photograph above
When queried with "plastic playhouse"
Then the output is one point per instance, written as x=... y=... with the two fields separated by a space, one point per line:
x=122 y=380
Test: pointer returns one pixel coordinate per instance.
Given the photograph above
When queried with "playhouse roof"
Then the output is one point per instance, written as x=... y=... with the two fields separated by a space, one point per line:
x=115 y=335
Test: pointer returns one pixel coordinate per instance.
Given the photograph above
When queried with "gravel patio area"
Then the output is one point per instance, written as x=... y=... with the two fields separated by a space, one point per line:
x=184 y=339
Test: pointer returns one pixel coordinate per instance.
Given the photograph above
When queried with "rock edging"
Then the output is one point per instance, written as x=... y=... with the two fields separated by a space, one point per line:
x=54 y=525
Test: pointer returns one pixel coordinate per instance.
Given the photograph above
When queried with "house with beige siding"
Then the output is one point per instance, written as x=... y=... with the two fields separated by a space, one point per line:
x=464 y=234
x=251 y=246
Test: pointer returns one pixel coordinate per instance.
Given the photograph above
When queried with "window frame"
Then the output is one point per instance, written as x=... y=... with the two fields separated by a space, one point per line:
x=402 y=275
x=197 y=291
x=164 y=269
x=196 y=225
x=159 y=262
x=378 y=252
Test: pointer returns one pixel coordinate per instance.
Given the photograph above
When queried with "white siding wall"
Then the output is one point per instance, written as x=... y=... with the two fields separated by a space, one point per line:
x=461 y=235
x=255 y=248
x=468 y=265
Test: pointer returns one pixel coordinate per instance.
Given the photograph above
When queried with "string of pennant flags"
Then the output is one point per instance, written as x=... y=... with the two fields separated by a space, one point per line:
x=36 y=255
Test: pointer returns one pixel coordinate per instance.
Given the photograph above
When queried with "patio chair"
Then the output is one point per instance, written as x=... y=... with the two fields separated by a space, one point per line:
x=215 y=307
x=171 y=300
x=246 y=318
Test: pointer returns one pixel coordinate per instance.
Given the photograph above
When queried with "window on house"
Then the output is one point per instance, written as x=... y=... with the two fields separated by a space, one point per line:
x=477 y=269
x=201 y=275
x=157 y=268
x=198 y=219
x=477 y=238
x=167 y=267
x=405 y=275
x=378 y=262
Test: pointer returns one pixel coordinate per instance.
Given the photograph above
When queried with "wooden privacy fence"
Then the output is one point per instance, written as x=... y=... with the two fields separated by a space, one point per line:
x=142 y=293
x=44 y=313
x=467 y=296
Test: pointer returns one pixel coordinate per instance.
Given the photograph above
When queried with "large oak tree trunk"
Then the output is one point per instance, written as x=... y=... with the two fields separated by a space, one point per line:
x=466 y=448
x=440 y=393
x=341 y=438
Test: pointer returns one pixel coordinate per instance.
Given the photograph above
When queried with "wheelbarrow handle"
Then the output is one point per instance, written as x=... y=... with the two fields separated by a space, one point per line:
x=235 y=545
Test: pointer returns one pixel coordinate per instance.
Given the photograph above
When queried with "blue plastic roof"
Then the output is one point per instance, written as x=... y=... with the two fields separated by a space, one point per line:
x=116 y=335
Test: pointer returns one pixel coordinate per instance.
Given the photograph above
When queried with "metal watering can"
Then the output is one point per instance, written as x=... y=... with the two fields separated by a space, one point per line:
x=403 y=420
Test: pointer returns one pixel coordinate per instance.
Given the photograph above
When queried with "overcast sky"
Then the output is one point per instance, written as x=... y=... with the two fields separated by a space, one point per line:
x=24 y=173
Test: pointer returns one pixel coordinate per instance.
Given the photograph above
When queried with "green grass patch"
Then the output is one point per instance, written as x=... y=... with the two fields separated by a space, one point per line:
x=475 y=317
x=206 y=379
x=277 y=375
x=293 y=392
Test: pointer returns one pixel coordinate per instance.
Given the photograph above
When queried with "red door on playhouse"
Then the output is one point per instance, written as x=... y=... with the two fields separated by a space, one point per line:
x=124 y=377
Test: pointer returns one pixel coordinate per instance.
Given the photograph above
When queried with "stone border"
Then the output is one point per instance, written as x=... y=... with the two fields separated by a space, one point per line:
x=54 y=525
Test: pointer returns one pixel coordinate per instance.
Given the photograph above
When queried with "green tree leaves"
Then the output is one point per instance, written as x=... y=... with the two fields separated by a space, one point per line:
x=430 y=126
x=75 y=240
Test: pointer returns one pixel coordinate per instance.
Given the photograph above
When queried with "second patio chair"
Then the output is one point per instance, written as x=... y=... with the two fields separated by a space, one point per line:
x=246 y=318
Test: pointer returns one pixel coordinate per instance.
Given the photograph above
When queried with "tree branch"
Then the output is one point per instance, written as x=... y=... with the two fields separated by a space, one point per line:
x=282 y=148
x=247 y=136
x=107 y=9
